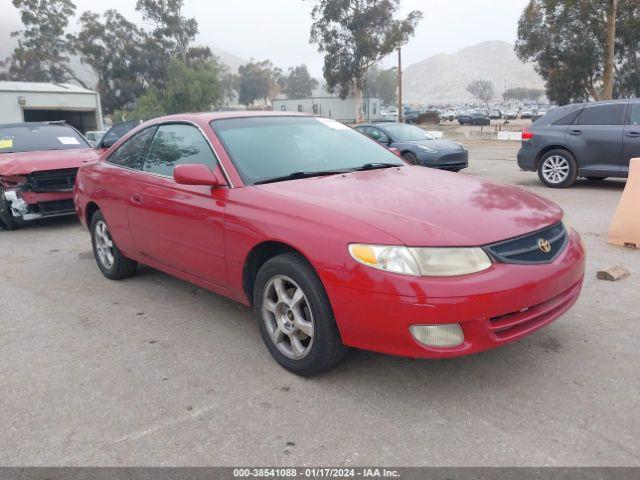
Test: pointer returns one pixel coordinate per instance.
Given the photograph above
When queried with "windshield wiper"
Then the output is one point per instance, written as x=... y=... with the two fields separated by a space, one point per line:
x=375 y=166
x=300 y=175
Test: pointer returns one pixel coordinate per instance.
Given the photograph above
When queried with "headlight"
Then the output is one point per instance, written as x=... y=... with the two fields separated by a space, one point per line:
x=428 y=149
x=428 y=262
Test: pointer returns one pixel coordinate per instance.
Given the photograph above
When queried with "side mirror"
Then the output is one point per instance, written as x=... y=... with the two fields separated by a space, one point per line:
x=197 y=174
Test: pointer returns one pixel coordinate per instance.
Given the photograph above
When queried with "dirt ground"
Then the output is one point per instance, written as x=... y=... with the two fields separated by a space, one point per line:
x=153 y=371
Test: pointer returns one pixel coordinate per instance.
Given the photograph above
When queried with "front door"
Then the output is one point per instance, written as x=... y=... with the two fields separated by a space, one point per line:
x=596 y=139
x=180 y=226
x=631 y=148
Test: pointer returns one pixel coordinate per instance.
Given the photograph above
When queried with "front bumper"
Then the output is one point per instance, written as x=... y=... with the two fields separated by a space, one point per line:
x=32 y=206
x=500 y=305
x=449 y=161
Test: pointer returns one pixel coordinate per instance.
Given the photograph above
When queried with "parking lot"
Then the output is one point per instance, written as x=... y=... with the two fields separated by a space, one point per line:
x=154 y=371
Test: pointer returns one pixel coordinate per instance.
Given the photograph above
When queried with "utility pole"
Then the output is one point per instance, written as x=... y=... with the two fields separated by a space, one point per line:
x=400 y=85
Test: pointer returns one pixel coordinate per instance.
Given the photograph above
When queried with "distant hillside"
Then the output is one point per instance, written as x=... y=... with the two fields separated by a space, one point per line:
x=229 y=59
x=444 y=78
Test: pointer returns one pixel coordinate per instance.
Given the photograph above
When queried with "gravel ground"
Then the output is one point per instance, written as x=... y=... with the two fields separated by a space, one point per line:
x=153 y=371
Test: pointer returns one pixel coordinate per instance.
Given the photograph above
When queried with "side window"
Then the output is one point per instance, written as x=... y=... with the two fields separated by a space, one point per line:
x=611 y=114
x=568 y=119
x=131 y=153
x=177 y=144
x=379 y=135
x=634 y=117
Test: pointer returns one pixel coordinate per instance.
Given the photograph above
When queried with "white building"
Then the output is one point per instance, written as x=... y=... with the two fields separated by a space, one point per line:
x=332 y=107
x=44 y=102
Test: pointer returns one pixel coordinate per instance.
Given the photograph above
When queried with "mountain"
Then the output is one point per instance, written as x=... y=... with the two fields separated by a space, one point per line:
x=443 y=78
x=229 y=59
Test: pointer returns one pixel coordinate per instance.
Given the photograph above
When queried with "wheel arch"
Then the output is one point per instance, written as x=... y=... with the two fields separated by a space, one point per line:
x=90 y=209
x=258 y=256
x=549 y=148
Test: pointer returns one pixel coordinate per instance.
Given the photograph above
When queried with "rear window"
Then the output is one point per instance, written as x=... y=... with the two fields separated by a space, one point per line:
x=38 y=137
x=612 y=114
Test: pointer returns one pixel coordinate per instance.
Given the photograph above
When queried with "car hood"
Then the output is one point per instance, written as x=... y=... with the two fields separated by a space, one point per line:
x=423 y=207
x=24 y=163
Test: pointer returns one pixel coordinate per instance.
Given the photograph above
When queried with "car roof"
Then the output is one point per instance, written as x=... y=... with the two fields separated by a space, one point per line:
x=210 y=116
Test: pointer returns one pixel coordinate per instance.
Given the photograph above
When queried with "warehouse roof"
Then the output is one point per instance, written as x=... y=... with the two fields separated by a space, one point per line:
x=43 y=87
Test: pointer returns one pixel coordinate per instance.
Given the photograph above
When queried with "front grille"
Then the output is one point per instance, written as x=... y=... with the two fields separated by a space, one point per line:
x=527 y=249
x=59 y=206
x=53 y=180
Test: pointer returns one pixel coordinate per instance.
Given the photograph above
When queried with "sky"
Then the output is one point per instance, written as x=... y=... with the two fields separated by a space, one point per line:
x=279 y=29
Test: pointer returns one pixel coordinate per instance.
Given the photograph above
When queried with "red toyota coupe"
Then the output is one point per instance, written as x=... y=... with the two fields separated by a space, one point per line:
x=332 y=239
x=38 y=166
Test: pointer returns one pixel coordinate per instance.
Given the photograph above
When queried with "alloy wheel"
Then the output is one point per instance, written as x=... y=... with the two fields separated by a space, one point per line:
x=104 y=244
x=556 y=169
x=287 y=316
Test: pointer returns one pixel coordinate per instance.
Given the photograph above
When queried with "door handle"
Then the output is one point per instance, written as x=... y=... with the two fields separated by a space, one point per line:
x=575 y=132
x=136 y=198
x=633 y=134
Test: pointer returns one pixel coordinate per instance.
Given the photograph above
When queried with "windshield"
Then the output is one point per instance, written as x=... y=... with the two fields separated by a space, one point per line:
x=39 y=137
x=264 y=148
x=407 y=133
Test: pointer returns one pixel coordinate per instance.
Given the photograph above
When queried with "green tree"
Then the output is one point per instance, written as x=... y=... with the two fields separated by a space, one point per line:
x=257 y=81
x=42 y=54
x=299 y=83
x=192 y=89
x=111 y=46
x=354 y=35
x=627 y=81
x=149 y=105
x=383 y=84
x=170 y=27
x=580 y=46
x=482 y=90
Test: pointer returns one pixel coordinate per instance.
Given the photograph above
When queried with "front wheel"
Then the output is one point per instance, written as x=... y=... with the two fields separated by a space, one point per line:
x=295 y=317
x=110 y=260
x=558 y=169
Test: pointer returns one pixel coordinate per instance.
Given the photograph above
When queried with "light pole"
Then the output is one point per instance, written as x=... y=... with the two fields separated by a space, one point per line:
x=400 y=85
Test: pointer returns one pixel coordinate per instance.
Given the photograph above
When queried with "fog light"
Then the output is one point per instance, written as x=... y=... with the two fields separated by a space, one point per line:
x=448 y=335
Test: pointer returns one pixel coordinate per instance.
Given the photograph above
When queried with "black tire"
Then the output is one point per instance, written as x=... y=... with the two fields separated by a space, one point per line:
x=596 y=179
x=121 y=267
x=410 y=157
x=572 y=174
x=325 y=349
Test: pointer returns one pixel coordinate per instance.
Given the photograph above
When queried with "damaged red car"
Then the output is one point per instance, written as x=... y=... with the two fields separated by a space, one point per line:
x=332 y=239
x=38 y=167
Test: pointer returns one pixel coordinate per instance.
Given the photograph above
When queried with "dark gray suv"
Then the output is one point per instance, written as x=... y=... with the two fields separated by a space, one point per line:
x=590 y=140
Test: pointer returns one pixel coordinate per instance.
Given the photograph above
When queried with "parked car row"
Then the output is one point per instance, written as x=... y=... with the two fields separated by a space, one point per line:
x=332 y=239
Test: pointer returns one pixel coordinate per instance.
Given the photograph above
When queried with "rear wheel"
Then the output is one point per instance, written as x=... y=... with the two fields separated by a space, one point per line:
x=558 y=169
x=410 y=157
x=295 y=317
x=110 y=260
